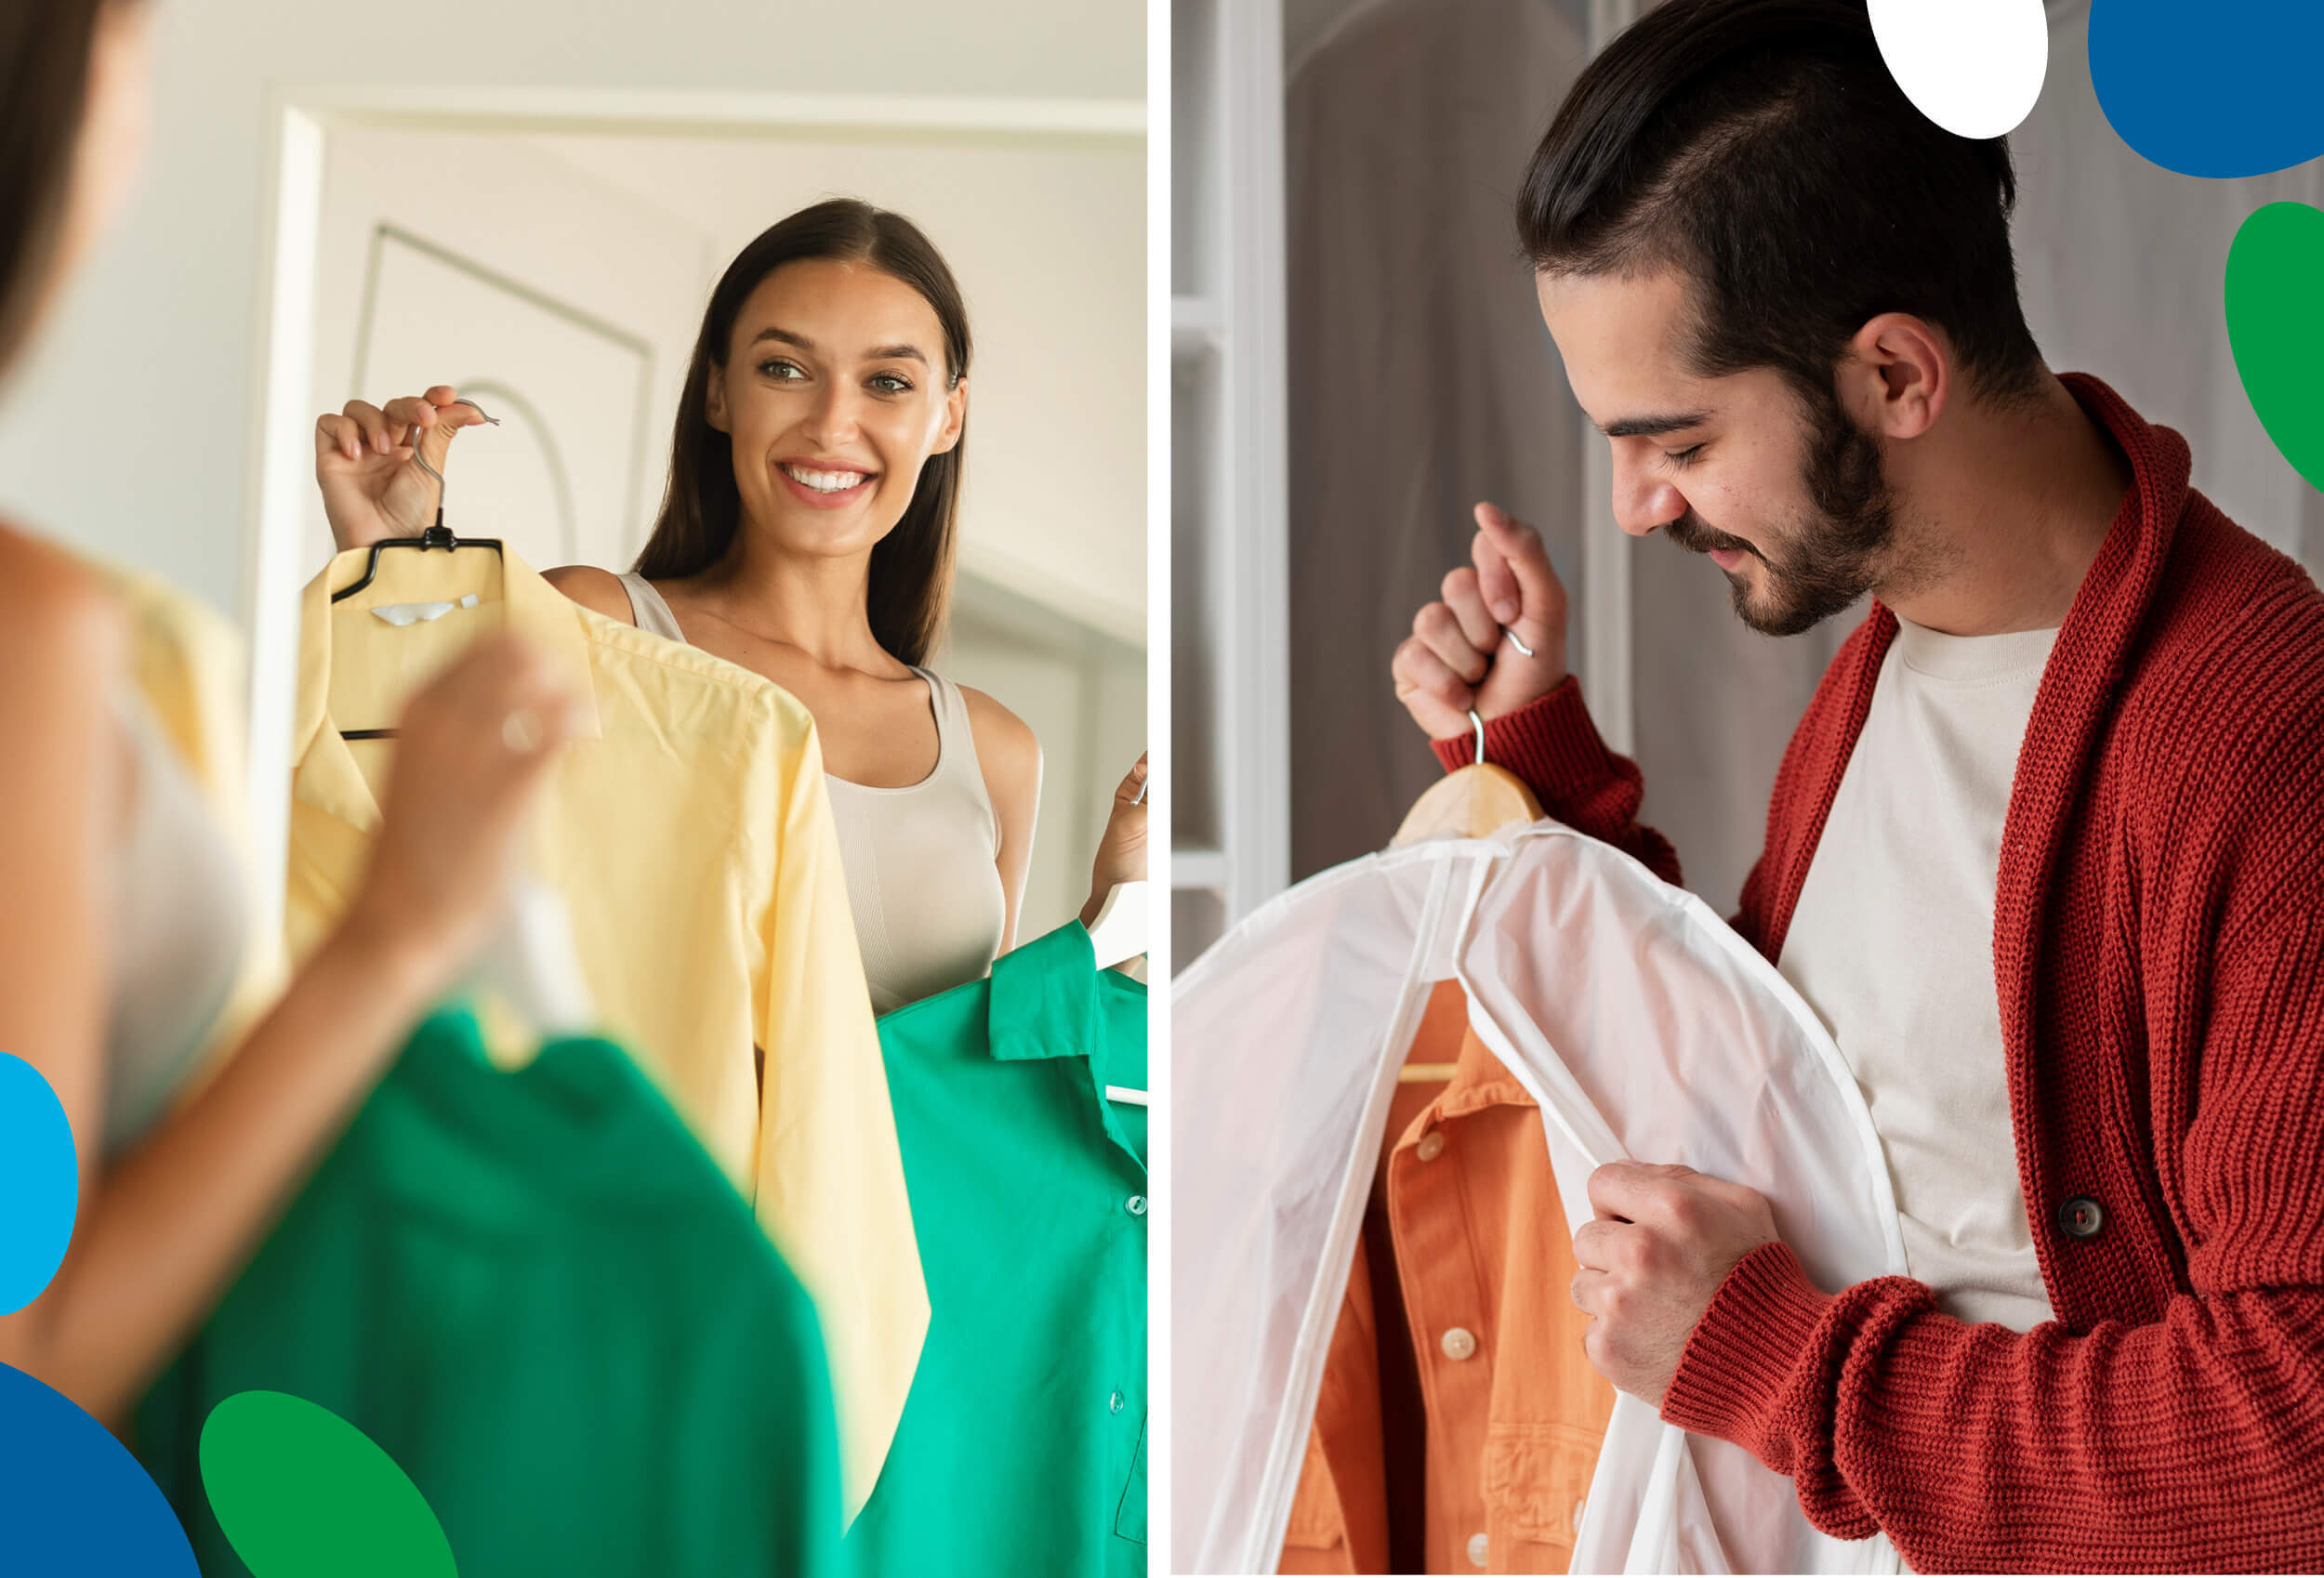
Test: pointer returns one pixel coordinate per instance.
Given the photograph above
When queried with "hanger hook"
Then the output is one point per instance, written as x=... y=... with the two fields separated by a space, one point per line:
x=440 y=485
x=1480 y=728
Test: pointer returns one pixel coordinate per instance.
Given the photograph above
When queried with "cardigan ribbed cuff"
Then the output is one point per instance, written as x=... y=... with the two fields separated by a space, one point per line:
x=1743 y=1352
x=1550 y=742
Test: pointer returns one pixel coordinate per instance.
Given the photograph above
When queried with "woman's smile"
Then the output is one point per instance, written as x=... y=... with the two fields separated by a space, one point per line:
x=828 y=485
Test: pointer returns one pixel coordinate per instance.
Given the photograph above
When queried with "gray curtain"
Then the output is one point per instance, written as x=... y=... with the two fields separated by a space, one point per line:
x=1421 y=378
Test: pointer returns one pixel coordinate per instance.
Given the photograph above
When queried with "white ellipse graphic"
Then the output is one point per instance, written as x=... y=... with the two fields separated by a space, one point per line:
x=1974 y=67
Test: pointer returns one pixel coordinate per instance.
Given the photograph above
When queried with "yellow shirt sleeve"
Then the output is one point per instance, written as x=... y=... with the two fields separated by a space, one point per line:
x=830 y=1176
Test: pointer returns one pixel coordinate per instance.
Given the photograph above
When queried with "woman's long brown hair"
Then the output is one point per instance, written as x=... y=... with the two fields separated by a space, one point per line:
x=911 y=568
x=44 y=51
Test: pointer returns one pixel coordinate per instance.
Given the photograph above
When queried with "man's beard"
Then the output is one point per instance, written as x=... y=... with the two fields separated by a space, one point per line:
x=1830 y=560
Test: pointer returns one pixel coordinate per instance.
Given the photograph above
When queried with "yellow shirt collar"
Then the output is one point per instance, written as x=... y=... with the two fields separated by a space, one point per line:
x=328 y=778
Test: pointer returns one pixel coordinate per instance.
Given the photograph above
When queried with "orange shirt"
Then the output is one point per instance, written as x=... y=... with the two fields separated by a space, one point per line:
x=1512 y=1413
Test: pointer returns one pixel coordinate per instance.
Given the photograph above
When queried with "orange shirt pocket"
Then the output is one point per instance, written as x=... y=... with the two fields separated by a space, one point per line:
x=1535 y=1478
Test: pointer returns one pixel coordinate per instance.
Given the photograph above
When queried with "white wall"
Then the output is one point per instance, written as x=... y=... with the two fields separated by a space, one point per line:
x=1084 y=694
x=129 y=428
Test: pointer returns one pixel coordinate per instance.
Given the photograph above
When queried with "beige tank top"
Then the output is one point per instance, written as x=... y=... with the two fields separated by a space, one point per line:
x=178 y=918
x=921 y=880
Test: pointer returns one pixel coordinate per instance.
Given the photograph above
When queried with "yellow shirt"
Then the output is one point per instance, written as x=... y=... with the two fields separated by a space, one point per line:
x=688 y=829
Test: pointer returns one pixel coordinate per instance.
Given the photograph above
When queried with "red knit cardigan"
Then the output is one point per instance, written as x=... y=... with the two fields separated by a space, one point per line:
x=2159 y=951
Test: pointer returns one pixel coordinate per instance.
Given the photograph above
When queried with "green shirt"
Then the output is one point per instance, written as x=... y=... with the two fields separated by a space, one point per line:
x=537 y=1293
x=1023 y=1445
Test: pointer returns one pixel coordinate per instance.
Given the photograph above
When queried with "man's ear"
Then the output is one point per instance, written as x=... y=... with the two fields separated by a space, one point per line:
x=1903 y=367
x=714 y=402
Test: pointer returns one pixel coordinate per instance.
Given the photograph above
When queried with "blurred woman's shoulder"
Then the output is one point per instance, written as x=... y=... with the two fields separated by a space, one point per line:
x=56 y=606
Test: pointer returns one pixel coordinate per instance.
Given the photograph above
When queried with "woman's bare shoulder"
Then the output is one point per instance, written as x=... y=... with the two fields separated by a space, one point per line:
x=597 y=589
x=1004 y=741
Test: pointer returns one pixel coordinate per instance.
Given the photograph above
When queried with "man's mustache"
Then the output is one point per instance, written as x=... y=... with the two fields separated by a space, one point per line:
x=1689 y=533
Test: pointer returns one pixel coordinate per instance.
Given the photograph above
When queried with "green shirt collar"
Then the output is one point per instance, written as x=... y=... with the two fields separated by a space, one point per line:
x=1044 y=998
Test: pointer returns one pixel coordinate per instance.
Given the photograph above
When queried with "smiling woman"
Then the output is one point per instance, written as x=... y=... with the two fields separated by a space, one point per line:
x=809 y=534
x=839 y=295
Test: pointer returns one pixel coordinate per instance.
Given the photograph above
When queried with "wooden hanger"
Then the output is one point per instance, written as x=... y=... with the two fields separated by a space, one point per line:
x=1471 y=802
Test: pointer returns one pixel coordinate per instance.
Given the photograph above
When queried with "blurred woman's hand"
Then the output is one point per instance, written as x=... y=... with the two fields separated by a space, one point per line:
x=473 y=746
x=372 y=487
x=1122 y=851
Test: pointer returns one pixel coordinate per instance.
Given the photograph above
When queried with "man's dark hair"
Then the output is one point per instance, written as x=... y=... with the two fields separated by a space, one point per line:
x=1762 y=147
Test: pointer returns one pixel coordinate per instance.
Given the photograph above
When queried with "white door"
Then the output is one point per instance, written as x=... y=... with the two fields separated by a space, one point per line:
x=565 y=306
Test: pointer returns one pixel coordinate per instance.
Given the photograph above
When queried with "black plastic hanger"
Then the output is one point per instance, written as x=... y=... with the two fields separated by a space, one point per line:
x=436 y=536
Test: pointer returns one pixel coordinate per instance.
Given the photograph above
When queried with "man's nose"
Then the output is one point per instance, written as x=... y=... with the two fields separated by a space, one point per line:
x=1643 y=504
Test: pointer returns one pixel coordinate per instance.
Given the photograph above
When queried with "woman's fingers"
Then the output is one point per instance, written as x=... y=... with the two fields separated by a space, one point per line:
x=412 y=411
x=337 y=436
x=370 y=424
x=361 y=425
x=1133 y=783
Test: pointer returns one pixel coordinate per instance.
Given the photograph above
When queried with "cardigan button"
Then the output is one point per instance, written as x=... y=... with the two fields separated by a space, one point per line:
x=2081 y=1218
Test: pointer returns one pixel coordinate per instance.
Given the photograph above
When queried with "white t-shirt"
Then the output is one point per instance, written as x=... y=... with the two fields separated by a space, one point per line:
x=1892 y=943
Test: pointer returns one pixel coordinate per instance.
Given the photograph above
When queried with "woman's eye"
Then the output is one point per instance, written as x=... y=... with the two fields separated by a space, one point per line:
x=782 y=372
x=1682 y=458
x=889 y=383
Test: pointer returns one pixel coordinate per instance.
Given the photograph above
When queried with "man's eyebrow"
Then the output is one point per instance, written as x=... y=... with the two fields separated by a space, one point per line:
x=1653 y=427
x=885 y=353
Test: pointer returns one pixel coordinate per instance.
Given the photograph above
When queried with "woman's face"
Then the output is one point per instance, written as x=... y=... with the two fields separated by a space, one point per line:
x=114 y=131
x=834 y=394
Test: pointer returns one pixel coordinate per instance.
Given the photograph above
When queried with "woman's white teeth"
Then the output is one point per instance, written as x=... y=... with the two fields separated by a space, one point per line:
x=824 y=481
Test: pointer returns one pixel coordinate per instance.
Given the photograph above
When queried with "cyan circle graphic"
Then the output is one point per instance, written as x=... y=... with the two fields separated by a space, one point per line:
x=40 y=1183
x=72 y=1499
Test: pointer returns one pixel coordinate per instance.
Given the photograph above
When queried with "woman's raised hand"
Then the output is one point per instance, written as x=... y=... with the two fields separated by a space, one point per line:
x=372 y=487
x=1121 y=855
